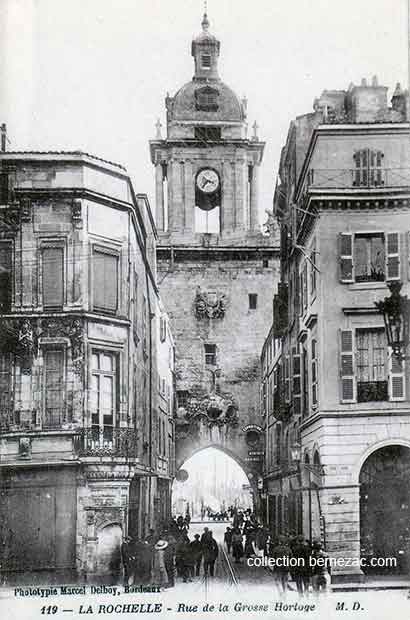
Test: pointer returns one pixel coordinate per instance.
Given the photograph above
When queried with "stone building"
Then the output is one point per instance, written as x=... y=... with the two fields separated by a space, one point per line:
x=216 y=269
x=338 y=418
x=79 y=402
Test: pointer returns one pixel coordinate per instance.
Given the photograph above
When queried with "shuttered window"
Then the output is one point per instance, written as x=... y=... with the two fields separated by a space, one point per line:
x=5 y=276
x=368 y=171
x=315 y=380
x=105 y=280
x=53 y=277
x=371 y=362
x=368 y=371
x=6 y=392
x=54 y=388
x=348 y=387
x=369 y=257
x=296 y=382
x=396 y=378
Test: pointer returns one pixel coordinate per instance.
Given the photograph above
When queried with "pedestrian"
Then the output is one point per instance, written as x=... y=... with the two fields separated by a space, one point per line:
x=142 y=558
x=126 y=559
x=301 y=572
x=281 y=554
x=228 y=539
x=237 y=545
x=320 y=567
x=197 y=552
x=205 y=535
x=184 y=558
x=159 y=572
x=169 y=557
x=210 y=551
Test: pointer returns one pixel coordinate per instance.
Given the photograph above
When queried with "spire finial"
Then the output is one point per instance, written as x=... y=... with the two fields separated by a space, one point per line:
x=205 y=21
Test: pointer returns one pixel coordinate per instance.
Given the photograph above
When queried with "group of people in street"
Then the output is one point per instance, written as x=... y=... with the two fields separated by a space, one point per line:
x=161 y=558
x=295 y=558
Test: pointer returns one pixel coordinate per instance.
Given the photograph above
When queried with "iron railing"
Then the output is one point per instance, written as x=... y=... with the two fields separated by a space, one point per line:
x=119 y=442
x=368 y=391
x=358 y=178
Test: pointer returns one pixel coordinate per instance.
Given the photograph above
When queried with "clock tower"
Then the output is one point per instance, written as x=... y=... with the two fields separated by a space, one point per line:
x=217 y=270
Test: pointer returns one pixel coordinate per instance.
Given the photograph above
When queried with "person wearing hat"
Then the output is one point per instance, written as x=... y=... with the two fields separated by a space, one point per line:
x=301 y=572
x=159 y=572
x=126 y=558
x=320 y=567
x=210 y=550
x=281 y=553
x=196 y=552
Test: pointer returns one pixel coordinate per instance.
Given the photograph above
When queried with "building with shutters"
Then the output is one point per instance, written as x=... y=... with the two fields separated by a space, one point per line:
x=85 y=439
x=333 y=387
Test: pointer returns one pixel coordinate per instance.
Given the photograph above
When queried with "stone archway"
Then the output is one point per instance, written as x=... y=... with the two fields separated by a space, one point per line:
x=244 y=472
x=385 y=506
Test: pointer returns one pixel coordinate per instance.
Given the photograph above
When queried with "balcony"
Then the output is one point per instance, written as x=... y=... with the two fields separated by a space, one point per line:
x=368 y=391
x=358 y=178
x=111 y=442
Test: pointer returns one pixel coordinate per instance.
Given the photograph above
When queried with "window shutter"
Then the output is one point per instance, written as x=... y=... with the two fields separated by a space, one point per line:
x=53 y=289
x=305 y=286
x=296 y=386
x=105 y=281
x=347 y=370
x=346 y=257
x=397 y=386
x=287 y=379
x=5 y=276
x=393 y=256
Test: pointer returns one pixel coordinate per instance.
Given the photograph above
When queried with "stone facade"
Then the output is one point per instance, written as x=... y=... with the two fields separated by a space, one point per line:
x=337 y=389
x=79 y=404
x=216 y=281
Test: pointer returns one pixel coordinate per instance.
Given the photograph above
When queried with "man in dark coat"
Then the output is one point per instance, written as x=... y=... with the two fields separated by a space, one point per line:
x=210 y=550
x=301 y=572
x=196 y=552
x=228 y=539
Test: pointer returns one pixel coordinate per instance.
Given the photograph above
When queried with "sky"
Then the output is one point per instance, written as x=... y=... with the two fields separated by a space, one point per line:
x=93 y=74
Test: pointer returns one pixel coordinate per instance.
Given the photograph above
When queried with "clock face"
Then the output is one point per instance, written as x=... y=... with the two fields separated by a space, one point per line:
x=207 y=181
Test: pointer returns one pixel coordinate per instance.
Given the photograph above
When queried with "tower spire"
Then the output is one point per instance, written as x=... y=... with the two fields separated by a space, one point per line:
x=205 y=21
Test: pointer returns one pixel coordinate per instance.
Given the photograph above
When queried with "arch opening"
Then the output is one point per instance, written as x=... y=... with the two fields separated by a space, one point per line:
x=385 y=508
x=216 y=482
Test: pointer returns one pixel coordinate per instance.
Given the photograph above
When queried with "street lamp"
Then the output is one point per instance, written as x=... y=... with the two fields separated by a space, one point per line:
x=395 y=310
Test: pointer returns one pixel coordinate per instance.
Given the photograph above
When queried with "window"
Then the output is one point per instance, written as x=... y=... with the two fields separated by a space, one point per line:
x=253 y=301
x=54 y=388
x=4 y=188
x=206 y=61
x=296 y=382
x=53 y=277
x=6 y=391
x=368 y=171
x=371 y=362
x=105 y=280
x=162 y=329
x=206 y=99
x=305 y=381
x=369 y=372
x=369 y=257
x=314 y=373
x=210 y=354
x=5 y=276
x=103 y=397
x=313 y=272
x=182 y=397
x=207 y=133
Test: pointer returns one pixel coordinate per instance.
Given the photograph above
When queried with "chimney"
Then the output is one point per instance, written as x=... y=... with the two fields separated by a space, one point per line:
x=3 y=131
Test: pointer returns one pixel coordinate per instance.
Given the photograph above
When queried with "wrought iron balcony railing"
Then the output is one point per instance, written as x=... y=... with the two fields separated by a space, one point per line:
x=368 y=391
x=115 y=442
x=358 y=178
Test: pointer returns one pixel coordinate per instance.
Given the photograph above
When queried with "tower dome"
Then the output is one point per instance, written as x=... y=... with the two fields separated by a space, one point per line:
x=205 y=98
